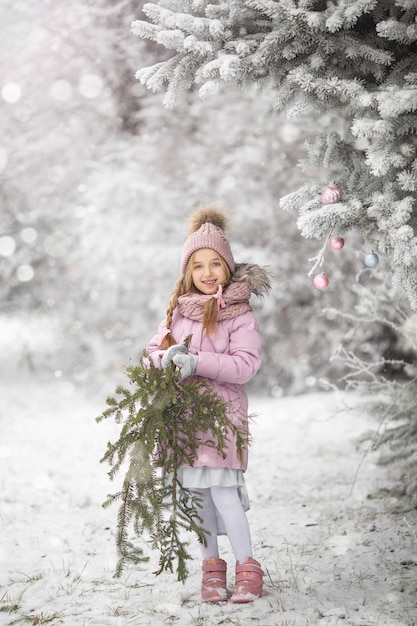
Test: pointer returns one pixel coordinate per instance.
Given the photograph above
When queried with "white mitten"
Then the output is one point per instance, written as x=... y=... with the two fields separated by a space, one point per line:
x=187 y=364
x=168 y=356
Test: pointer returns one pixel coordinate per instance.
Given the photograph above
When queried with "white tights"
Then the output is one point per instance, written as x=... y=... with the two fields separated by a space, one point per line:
x=227 y=502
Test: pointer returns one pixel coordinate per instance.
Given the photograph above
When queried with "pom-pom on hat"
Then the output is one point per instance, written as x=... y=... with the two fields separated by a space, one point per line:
x=207 y=226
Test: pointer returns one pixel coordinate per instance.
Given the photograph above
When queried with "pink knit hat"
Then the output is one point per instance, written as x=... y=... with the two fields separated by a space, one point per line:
x=207 y=226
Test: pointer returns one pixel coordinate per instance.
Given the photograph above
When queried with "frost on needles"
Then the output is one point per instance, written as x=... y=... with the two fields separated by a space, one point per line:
x=160 y=416
x=351 y=61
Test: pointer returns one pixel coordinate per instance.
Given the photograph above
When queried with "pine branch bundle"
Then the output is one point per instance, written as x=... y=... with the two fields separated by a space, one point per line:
x=160 y=417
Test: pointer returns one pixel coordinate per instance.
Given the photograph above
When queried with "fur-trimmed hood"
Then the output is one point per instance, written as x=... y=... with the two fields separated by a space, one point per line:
x=257 y=277
x=234 y=299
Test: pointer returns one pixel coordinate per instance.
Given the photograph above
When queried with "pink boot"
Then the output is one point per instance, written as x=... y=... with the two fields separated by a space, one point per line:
x=249 y=580
x=213 y=587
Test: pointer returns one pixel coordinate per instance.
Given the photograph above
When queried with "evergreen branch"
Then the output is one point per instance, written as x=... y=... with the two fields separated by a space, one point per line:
x=164 y=422
x=387 y=414
x=319 y=258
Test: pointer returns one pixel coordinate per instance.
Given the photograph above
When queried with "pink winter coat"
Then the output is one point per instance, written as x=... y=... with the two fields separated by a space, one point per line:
x=229 y=358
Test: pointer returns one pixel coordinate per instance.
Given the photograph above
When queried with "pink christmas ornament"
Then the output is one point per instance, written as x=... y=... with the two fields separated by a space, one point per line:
x=321 y=281
x=331 y=195
x=337 y=243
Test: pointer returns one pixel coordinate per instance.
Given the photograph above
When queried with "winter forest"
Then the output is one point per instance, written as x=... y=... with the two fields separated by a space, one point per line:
x=297 y=117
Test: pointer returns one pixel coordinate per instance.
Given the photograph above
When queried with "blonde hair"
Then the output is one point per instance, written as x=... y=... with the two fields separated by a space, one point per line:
x=183 y=287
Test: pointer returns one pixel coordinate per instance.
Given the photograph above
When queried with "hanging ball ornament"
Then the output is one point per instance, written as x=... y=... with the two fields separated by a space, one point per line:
x=331 y=195
x=371 y=259
x=321 y=281
x=337 y=243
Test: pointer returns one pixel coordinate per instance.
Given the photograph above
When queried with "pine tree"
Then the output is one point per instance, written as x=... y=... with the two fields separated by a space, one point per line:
x=355 y=58
x=161 y=416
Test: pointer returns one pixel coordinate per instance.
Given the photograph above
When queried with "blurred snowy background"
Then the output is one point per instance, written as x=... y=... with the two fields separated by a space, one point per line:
x=97 y=181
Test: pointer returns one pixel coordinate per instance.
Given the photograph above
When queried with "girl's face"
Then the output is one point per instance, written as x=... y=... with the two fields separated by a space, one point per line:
x=208 y=271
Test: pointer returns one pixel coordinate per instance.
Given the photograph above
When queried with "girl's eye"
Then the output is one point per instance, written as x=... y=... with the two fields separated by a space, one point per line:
x=216 y=264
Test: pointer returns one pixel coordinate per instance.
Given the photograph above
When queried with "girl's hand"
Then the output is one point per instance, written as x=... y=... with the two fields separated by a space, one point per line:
x=168 y=356
x=187 y=364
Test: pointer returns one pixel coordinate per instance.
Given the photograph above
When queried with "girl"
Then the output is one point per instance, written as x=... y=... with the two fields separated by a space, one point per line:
x=210 y=302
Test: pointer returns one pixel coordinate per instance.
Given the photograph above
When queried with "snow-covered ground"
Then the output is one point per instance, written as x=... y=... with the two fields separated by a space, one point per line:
x=321 y=519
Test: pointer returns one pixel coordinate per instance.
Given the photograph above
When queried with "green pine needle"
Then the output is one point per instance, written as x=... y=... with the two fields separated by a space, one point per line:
x=160 y=416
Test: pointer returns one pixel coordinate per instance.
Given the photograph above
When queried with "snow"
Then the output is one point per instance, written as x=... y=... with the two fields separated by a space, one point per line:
x=323 y=523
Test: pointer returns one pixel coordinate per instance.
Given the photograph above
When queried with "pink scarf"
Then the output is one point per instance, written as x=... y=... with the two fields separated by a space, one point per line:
x=231 y=302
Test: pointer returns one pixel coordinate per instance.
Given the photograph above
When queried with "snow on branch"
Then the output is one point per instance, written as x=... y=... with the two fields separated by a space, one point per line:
x=171 y=39
x=189 y=24
x=296 y=199
x=225 y=67
x=355 y=49
x=316 y=219
x=397 y=31
x=405 y=278
x=209 y=88
x=394 y=101
x=181 y=78
x=390 y=216
x=354 y=10
x=348 y=13
x=194 y=45
x=145 y=30
x=156 y=75
x=365 y=127
x=327 y=87
x=406 y=5
x=384 y=156
x=407 y=179
x=271 y=8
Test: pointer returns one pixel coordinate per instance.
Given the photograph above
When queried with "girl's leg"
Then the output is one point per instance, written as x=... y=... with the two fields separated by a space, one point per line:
x=213 y=584
x=209 y=523
x=227 y=502
x=249 y=573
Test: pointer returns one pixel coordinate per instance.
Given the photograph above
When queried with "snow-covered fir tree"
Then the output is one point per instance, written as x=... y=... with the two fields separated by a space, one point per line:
x=357 y=58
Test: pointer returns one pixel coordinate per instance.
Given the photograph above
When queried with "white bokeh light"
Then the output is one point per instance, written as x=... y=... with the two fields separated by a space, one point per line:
x=7 y=245
x=28 y=235
x=11 y=92
x=25 y=273
x=90 y=85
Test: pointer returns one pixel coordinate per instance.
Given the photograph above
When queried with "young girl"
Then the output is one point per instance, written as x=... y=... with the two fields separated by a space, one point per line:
x=210 y=302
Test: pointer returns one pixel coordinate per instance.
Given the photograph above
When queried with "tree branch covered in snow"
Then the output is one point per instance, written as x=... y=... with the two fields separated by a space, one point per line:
x=356 y=58
x=387 y=386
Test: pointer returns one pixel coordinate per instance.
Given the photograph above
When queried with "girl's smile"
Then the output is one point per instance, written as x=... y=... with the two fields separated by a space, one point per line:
x=208 y=271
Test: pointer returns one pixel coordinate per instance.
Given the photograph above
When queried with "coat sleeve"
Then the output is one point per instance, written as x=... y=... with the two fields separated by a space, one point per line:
x=153 y=348
x=243 y=359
